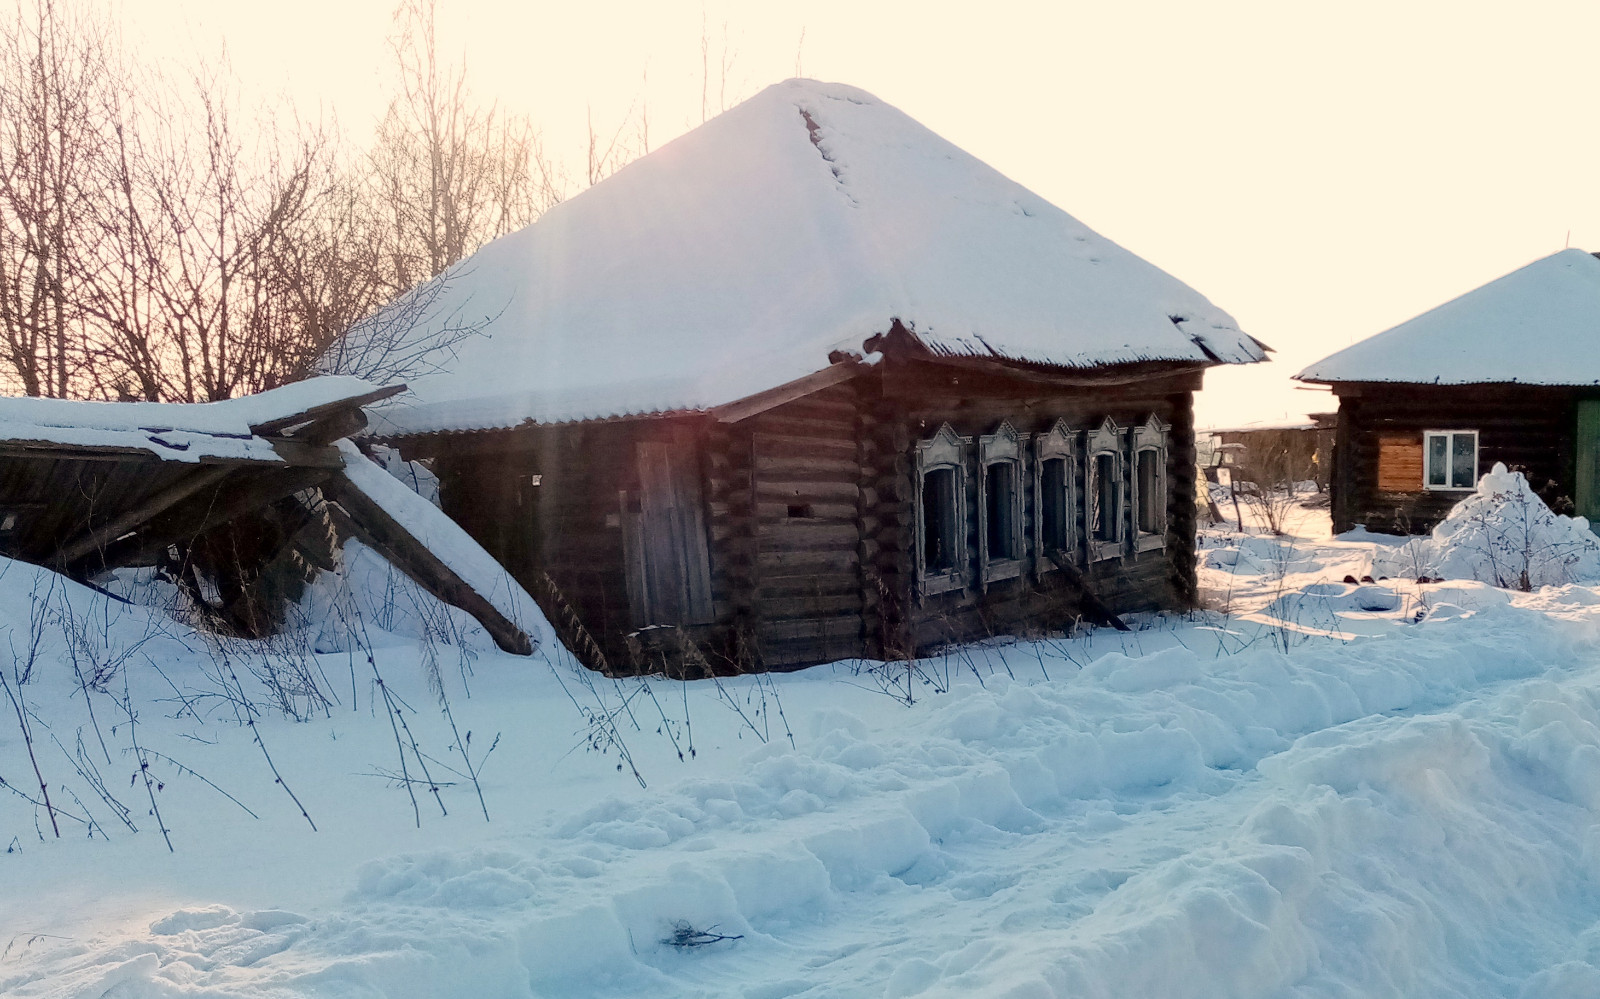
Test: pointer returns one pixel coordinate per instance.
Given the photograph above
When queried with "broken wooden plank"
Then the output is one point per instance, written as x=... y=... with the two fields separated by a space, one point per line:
x=280 y=424
x=344 y=423
x=359 y=514
x=303 y=455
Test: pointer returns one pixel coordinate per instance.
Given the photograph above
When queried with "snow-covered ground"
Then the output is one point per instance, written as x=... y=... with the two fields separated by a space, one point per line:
x=1289 y=795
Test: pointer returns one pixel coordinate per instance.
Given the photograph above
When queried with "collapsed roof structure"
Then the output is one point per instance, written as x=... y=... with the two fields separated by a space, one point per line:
x=241 y=500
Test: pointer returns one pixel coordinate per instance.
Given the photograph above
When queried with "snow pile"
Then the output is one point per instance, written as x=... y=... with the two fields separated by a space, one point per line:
x=1187 y=810
x=416 y=476
x=1502 y=534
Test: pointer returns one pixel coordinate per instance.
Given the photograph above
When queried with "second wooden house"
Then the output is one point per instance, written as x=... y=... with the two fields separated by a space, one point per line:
x=1508 y=372
x=811 y=383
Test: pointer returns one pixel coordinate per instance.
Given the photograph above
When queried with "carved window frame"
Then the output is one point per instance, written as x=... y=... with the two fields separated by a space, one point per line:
x=1148 y=437
x=1003 y=447
x=1106 y=439
x=945 y=450
x=1059 y=443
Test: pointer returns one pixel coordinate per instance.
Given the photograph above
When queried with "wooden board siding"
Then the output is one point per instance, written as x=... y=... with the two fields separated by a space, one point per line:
x=1528 y=428
x=56 y=498
x=1400 y=463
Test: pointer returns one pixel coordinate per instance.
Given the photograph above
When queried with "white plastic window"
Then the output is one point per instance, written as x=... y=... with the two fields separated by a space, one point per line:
x=1449 y=459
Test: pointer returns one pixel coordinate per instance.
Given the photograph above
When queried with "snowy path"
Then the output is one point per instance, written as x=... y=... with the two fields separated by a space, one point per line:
x=1411 y=814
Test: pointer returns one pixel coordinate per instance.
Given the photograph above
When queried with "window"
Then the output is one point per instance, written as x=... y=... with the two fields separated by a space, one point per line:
x=939 y=520
x=1000 y=496
x=940 y=499
x=1057 y=520
x=1450 y=459
x=1150 y=484
x=1105 y=515
x=1000 y=507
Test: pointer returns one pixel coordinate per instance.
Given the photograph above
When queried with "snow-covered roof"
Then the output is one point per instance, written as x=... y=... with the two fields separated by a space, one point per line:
x=734 y=259
x=175 y=431
x=1539 y=325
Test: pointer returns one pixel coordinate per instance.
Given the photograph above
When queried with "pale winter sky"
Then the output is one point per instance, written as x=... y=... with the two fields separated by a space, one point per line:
x=1320 y=171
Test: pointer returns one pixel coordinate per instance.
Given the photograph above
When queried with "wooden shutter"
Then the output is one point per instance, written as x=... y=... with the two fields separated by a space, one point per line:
x=1400 y=463
x=669 y=567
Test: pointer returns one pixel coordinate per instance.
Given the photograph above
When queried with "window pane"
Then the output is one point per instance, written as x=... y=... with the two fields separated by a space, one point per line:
x=1151 y=500
x=1438 y=459
x=1106 y=508
x=1464 y=461
x=939 y=520
x=1053 y=504
x=1000 y=494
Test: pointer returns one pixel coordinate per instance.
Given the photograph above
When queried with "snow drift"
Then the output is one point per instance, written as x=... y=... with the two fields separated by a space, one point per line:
x=1188 y=810
x=1502 y=534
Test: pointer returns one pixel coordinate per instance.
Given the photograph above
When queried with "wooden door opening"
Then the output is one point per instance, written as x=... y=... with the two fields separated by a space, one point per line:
x=669 y=567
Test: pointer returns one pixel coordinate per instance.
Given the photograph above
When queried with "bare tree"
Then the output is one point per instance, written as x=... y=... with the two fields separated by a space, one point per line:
x=449 y=175
x=159 y=240
x=54 y=67
x=197 y=290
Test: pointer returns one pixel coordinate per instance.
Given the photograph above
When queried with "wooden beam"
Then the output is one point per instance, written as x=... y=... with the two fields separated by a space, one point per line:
x=356 y=513
x=141 y=514
x=344 y=423
x=283 y=423
x=298 y=454
x=290 y=451
x=754 y=405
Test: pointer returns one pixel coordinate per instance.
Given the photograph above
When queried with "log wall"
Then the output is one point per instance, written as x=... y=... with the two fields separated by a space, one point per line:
x=1378 y=455
x=915 y=399
x=562 y=539
x=806 y=501
x=810 y=518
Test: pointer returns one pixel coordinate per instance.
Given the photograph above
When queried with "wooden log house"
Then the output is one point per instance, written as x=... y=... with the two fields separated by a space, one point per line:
x=810 y=383
x=1508 y=372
